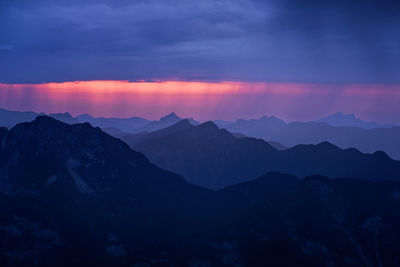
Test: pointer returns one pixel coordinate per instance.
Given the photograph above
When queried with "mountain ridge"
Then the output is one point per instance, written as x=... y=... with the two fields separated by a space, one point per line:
x=350 y=120
x=294 y=133
x=215 y=158
x=79 y=197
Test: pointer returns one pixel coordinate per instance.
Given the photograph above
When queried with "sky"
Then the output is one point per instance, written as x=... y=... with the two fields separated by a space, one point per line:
x=223 y=58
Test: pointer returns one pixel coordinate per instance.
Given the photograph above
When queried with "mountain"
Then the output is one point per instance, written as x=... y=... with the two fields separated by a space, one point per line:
x=71 y=195
x=10 y=118
x=164 y=122
x=133 y=124
x=64 y=117
x=274 y=144
x=211 y=157
x=114 y=132
x=61 y=151
x=134 y=139
x=221 y=123
x=128 y=125
x=116 y=126
x=277 y=145
x=313 y=222
x=350 y=120
x=206 y=155
x=291 y=134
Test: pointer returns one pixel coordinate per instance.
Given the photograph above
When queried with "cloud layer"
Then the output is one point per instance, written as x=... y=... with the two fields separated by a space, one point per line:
x=279 y=41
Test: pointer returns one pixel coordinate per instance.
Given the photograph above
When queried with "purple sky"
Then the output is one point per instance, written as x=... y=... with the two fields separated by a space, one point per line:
x=348 y=52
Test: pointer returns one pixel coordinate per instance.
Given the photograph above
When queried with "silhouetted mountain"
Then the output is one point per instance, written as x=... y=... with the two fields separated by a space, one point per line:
x=114 y=132
x=10 y=118
x=206 y=155
x=64 y=117
x=164 y=122
x=49 y=148
x=291 y=134
x=134 y=139
x=211 y=157
x=274 y=144
x=238 y=135
x=77 y=192
x=115 y=126
x=275 y=220
x=350 y=120
x=71 y=195
x=221 y=123
x=314 y=222
x=277 y=145
x=128 y=125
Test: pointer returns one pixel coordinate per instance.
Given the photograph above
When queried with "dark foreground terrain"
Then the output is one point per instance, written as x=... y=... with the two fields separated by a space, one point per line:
x=72 y=195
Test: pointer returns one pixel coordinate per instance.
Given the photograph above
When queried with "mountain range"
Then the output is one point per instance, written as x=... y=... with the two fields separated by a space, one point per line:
x=350 y=120
x=294 y=133
x=214 y=158
x=335 y=119
x=116 y=126
x=347 y=132
x=73 y=195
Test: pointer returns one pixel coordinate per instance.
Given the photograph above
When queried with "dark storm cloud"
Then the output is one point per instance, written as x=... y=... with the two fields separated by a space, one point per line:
x=285 y=40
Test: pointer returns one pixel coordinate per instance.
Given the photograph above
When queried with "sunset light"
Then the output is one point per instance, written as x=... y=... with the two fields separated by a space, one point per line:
x=203 y=100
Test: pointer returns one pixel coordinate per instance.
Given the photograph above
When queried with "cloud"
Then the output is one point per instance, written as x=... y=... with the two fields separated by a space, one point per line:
x=284 y=41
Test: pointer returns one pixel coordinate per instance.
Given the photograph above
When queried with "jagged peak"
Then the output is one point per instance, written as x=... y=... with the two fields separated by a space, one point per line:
x=208 y=125
x=270 y=118
x=170 y=116
x=65 y=114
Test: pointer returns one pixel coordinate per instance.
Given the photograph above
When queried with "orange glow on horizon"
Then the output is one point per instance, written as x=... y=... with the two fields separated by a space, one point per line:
x=202 y=100
x=196 y=87
x=167 y=87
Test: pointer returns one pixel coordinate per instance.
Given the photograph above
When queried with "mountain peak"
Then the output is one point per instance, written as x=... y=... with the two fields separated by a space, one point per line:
x=208 y=125
x=72 y=151
x=44 y=119
x=171 y=116
x=327 y=145
x=271 y=118
x=180 y=125
x=351 y=120
x=48 y=125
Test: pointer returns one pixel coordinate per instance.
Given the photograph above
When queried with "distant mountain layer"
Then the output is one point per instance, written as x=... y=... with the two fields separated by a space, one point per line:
x=291 y=134
x=350 y=120
x=336 y=119
x=71 y=195
x=115 y=126
x=211 y=157
x=279 y=133
x=123 y=124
